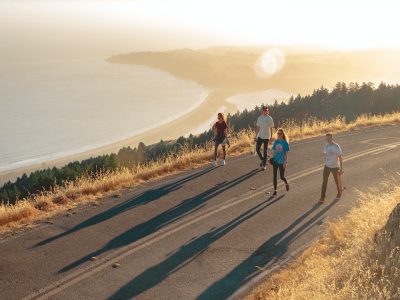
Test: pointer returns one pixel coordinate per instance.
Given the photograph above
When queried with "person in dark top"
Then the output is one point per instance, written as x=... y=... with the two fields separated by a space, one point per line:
x=220 y=137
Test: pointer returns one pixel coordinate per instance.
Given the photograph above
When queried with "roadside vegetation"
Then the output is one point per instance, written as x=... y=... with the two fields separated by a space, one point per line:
x=357 y=258
x=45 y=192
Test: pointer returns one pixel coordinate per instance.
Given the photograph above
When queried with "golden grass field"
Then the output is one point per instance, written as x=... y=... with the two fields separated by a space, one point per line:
x=88 y=189
x=357 y=258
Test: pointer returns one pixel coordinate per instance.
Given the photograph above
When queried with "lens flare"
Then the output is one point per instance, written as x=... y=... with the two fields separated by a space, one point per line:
x=270 y=63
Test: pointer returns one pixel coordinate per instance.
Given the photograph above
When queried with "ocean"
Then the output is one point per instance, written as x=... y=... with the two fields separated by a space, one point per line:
x=54 y=108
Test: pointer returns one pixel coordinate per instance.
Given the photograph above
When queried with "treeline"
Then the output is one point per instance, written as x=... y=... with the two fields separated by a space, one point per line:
x=348 y=101
x=344 y=100
x=44 y=180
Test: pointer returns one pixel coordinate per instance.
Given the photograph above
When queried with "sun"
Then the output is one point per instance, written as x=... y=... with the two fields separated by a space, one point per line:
x=270 y=63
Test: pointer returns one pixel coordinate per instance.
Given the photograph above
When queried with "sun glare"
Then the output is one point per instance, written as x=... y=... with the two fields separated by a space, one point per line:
x=271 y=62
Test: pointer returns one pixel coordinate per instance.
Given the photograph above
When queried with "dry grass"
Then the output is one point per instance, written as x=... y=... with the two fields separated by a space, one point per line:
x=354 y=259
x=315 y=127
x=88 y=189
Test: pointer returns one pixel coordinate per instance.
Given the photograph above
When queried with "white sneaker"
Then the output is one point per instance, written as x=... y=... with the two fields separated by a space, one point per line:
x=214 y=163
x=223 y=162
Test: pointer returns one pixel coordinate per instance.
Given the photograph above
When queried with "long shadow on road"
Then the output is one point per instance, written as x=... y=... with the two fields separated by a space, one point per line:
x=173 y=214
x=269 y=252
x=272 y=250
x=184 y=255
x=141 y=199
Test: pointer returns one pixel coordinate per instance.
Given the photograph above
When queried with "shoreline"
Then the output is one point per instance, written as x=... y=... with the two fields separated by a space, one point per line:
x=168 y=130
x=88 y=148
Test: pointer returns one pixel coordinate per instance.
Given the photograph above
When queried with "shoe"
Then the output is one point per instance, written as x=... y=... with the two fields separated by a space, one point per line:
x=223 y=162
x=287 y=187
x=214 y=163
x=339 y=195
x=322 y=200
x=274 y=193
x=261 y=165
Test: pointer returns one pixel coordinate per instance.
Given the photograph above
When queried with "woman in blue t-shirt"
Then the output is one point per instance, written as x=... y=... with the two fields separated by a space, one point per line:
x=280 y=157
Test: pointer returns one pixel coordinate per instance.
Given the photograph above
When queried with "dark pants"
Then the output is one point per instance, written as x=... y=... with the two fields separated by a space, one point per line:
x=261 y=141
x=327 y=172
x=281 y=173
x=217 y=143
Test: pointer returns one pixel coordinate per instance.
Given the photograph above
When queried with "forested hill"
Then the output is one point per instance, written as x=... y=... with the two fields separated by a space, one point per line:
x=344 y=100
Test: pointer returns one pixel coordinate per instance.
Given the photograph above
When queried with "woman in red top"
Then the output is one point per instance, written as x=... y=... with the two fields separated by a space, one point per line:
x=220 y=137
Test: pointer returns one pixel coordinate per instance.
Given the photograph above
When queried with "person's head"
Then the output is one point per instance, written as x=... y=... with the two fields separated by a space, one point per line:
x=282 y=135
x=221 y=117
x=265 y=110
x=329 y=138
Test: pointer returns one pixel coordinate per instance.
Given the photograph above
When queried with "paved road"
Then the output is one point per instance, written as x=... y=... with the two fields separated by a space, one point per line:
x=203 y=234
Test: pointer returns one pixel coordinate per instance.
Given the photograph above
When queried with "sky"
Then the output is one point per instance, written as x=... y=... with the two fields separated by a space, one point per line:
x=38 y=29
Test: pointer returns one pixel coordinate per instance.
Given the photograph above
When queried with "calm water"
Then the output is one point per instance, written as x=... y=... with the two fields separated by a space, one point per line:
x=50 y=109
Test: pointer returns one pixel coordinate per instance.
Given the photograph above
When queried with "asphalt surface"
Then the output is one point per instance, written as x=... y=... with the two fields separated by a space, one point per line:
x=204 y=234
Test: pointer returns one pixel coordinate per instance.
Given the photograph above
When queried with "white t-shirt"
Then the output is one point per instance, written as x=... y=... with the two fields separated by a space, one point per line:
x=265 y=123
x=332 y=155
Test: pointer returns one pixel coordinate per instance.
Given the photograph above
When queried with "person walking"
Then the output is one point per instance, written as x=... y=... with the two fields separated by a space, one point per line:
x=264 y=127
x=220 y=138
x=280 y=158
x=333 y=164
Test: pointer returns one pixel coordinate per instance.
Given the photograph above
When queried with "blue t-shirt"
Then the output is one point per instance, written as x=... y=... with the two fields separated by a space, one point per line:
x=280 y=148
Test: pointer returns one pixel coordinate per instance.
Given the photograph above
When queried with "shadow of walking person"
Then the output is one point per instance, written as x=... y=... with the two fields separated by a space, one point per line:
x=142 y=199
x=268 y=253
x=165 y=218
x=184 y=255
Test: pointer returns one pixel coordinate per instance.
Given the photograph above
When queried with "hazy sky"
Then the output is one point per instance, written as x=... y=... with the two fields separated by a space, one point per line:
x=73 y=28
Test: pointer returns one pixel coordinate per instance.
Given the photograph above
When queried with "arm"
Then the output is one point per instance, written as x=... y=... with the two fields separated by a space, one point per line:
x=271 y=132
x=257 y=131
x=215 y=131
x=272 y=152
x=286 y=159
x=286 y=155
x=340 y=159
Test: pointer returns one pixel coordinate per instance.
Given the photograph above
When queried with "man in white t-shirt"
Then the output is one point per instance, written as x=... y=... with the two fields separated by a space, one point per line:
x=333 y=164
x=264 y=127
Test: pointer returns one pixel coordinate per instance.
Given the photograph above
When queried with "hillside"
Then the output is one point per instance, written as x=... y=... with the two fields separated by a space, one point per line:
x=232 y=68
x=356 y=258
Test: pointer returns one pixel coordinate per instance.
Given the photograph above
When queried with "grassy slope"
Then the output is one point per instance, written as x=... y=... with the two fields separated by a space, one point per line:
x=357 y=258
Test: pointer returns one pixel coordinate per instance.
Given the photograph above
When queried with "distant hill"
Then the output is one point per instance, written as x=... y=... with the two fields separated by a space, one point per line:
x=232 y=68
